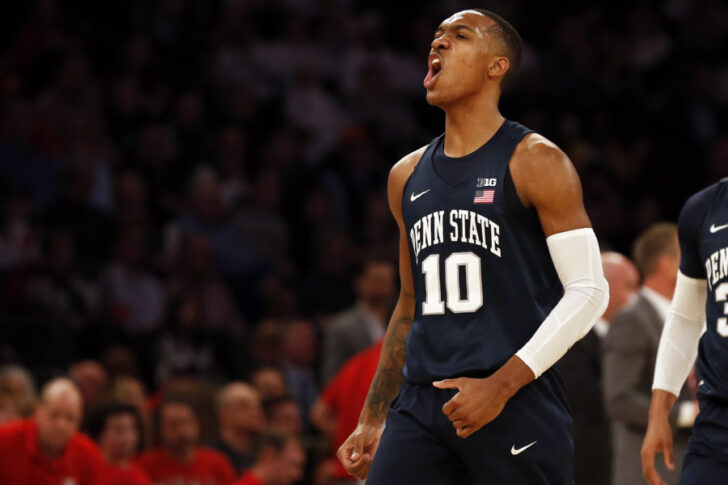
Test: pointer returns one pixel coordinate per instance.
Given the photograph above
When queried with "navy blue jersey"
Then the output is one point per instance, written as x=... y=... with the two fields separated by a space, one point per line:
x=483 y=277
x=703 y=234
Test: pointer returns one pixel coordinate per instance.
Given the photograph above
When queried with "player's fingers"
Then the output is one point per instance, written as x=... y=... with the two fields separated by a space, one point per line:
x=450 y=406
x=448 y=384
x=360 y=466
x=464 y=431
x=669 y=456
x=648 y=467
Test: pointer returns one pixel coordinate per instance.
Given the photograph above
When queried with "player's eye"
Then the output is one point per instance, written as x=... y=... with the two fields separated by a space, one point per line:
x=461 y=36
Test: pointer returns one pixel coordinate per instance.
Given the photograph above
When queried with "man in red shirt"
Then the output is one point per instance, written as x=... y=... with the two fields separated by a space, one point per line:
x=47 y=449
x=336 y=412
x=180 y=461
x=116 y=427
x=279 y=460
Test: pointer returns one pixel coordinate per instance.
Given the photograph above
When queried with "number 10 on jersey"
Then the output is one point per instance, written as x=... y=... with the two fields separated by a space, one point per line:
x=473 y=300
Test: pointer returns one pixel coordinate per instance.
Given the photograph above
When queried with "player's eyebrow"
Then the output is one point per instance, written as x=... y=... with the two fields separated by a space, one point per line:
x=454 y=28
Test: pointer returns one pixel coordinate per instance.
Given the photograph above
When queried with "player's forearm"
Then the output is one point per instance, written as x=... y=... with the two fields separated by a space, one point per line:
x=388 y=377
x=661 y=404
x=513 y=375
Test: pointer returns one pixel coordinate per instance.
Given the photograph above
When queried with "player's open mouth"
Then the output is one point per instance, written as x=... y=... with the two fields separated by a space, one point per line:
x=435 y=66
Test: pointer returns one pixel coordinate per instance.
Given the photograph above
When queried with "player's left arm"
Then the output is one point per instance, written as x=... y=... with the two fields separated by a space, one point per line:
x=545 y=179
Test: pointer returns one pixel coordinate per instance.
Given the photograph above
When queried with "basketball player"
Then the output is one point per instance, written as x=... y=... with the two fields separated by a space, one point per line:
x=500 y=274
x=701 y=290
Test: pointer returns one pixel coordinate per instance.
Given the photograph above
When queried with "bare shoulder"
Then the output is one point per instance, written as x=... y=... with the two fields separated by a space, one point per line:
x=398 y=176
x=538 y=164
x=546 y=179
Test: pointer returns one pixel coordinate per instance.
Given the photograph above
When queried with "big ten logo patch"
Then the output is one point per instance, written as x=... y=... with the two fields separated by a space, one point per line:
x=487 y=182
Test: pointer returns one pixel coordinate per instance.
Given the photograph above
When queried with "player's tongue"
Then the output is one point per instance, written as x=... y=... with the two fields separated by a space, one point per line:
x=434 y=68
x=428 y=77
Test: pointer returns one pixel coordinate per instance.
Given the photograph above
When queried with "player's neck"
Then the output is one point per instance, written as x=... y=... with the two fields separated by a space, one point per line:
x=470 y=124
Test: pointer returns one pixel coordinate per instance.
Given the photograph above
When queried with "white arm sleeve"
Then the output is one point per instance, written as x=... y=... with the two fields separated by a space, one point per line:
x=679 y=342
x=576 y=257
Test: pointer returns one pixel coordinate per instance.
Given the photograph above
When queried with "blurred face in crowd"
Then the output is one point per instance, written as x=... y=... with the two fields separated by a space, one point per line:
x=465 y=56
x=270 y=382
x=91 y=379
x=283 y=467
x=120 y=438
x=58 y=417
x=623 y=279
x=376 y=286
x=287 y=416
x=300 y=343
x=290 y=462
x=179 y=429
x=240 y=409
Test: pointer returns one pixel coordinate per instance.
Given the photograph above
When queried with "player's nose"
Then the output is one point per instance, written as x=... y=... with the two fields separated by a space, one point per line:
x=440 y=42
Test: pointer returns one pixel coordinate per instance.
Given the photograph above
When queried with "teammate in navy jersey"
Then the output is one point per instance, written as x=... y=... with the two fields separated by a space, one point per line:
x=701 y=296
x=500 y=274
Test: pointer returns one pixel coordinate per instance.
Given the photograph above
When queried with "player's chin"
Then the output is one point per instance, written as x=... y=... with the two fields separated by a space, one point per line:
x=435 y=97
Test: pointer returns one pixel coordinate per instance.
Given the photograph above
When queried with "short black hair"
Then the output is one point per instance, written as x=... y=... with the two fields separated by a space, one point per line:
x=99 y=417
x=509 y=36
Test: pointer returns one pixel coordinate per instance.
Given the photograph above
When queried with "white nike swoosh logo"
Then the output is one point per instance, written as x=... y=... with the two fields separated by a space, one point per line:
x=518 y=451
x=714 y=228
x=414 y=197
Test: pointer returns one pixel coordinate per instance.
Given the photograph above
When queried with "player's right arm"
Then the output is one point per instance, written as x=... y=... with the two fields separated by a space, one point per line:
x=357 y=452
x=679 y=342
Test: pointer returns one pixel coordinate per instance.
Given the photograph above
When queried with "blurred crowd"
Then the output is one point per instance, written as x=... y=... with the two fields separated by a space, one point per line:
x=192 y=194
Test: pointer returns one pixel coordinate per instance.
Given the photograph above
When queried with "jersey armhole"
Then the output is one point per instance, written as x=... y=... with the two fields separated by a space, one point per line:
x=526 y=216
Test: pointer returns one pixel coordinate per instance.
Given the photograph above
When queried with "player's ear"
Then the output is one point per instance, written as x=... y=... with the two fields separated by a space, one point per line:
x=498 y=67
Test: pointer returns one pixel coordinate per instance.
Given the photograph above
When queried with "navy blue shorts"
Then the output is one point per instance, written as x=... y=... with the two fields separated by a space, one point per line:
x=706 y=461
x=529 y=443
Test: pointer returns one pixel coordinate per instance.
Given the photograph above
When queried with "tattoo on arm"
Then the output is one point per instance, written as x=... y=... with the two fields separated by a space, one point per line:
x=388 y=378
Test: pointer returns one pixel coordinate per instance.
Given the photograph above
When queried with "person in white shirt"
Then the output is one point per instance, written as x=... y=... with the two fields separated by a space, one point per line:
x=630 y=352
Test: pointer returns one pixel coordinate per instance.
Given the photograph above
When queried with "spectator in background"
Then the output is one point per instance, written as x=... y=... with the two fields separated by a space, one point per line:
x=185 y=348
x=13 y=406
x=20 y=243
x=279 y=461
x=129 y=390
x=90 y=227
x=57 y=291
x=299 y=350
x=364 y=323
x=232 y=251
x=261 y=221
x=270 y=382
x=241 y=419
x=116 y=428
x=327 y=289
x=134 y=295
x=630 y=351
x=19 y=380
x=47 y=449
x=583 y=373
x=192 y=276
x=91 y=379
x=180 y=459
x=336 y=412
x=624 y=282
x=283 y=413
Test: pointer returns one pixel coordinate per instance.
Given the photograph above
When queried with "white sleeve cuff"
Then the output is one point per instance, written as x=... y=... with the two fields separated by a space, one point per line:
x=576 y=257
